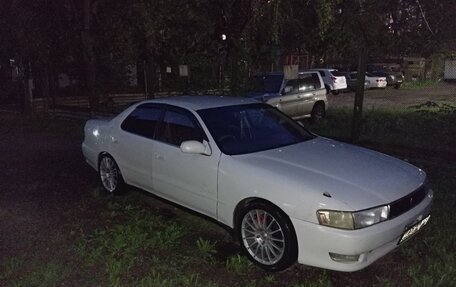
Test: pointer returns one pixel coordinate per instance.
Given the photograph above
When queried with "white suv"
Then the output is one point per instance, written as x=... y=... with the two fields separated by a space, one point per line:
x=334 y=80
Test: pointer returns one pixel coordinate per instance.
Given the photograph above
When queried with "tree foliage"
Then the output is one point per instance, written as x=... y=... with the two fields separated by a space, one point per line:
x=171 y=32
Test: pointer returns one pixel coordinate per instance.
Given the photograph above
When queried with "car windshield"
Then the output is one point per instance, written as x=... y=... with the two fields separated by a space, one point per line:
x=250 y=128
x=266 y=84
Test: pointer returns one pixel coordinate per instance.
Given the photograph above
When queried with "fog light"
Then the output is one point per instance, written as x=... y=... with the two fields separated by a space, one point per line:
x=344 y=258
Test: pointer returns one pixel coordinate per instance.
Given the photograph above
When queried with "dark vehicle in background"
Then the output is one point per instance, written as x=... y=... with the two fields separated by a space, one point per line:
x=393 y=75
x=352 y=80
x=298 y=98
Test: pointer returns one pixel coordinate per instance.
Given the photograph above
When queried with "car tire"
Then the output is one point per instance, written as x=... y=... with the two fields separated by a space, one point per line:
x=397 y=86
x=110 y=176
x=267 y=236
x=318 y=112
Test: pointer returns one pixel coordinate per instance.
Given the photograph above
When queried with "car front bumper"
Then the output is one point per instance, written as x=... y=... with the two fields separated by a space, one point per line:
x=316 y=242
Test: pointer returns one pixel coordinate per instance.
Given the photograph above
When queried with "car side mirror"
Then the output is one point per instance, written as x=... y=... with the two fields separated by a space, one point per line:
x=195 y=147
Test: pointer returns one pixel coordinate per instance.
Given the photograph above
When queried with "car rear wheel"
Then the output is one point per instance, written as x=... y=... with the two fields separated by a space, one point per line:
x=267 y=236
x=110 y=176
x=397 y=86
x=318 y=112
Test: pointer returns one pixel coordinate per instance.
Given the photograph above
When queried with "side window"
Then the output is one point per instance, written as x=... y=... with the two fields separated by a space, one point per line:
x=322 y=73
x=294 y=86
x=178 y=127
x=142 y=121
x=306 y=83
x=316 y=81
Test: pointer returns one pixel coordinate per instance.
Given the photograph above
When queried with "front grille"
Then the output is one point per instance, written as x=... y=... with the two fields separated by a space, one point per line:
x=407 y=202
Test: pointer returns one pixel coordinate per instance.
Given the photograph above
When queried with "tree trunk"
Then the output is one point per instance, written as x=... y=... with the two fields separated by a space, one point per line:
x=45 y=87
x=359 y=95
x=26 y=102
x=233 y=55
x=89 y=56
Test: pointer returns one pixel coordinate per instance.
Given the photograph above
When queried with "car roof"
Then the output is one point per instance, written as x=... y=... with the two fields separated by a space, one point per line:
x=307 y=72
x=202 y=102
x=321 y=69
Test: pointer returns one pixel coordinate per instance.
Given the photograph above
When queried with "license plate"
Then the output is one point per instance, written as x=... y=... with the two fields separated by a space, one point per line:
x=412 y=230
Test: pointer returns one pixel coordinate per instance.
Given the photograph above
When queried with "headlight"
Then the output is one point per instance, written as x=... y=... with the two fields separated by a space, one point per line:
x=353 y=220
x=371 y=216
x=338 y=219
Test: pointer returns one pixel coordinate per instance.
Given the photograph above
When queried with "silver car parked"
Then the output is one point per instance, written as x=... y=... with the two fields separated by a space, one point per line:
x=298 y=98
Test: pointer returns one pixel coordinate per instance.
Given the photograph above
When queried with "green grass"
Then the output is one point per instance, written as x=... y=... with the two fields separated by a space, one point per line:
x=430 y=126
x=45 y=275
x=10 y=266
x=207 y=249
x=120 y=248
x=418 y=85
x=239 y=264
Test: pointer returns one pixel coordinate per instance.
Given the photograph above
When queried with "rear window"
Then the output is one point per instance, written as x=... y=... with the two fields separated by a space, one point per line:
x=337 y=74
x=266 y=84
x=142 y=121
x=309 y=81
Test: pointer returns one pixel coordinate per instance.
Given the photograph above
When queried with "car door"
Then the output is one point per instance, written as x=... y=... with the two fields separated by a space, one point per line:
x=133 y=145
x=309 y=88
x=188 y=179
x=289 y=101
x=353 y=80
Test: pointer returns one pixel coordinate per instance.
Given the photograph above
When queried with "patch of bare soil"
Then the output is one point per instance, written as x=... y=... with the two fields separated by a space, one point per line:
x=43 y=180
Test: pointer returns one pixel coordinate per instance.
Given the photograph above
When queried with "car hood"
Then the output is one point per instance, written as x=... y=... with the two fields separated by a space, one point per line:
x=357 y=177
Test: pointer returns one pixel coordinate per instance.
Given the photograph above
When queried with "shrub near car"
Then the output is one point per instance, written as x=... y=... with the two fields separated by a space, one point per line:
x=288 y=194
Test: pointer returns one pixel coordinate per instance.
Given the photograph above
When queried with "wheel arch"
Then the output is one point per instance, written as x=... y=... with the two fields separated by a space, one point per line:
x=105 y=153
x=100 y=155
x=236 y=227
x=320 y=102
x=243 y=203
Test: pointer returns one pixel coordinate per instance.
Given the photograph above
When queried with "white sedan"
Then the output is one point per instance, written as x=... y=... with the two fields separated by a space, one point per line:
x=288 y=194
x=375 y=81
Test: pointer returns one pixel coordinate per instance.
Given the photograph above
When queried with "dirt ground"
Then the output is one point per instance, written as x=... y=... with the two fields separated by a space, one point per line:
x=42 y=175
x=443 y=93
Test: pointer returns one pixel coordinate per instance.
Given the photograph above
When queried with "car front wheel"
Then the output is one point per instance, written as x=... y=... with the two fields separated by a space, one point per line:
x=110 y=176
x=267 y=236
